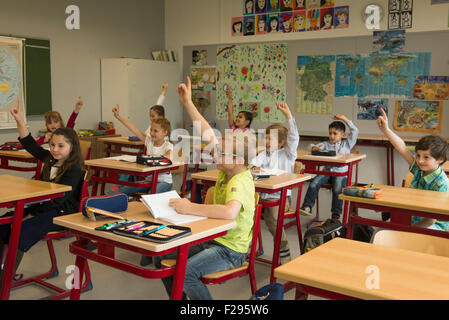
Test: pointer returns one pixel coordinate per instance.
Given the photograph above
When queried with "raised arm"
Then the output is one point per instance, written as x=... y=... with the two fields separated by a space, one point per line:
x=78 y=105
x=160 y=100
x=354 y=131
x=18 y=116
x=395 y=140
x=293 y=136
x=230 y=107
x=127 y=123
x=185 y=96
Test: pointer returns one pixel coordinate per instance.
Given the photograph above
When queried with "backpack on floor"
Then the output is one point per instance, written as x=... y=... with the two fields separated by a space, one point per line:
x=320 y=233
x=361 y=232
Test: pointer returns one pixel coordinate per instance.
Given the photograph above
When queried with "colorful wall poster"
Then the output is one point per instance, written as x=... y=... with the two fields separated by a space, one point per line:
x=248 y=6
x=273 y=6
x=256 y=74
x=393 y=74
x=249 y=25
x=199 y=57
x=327 y=19
x=286 y=20
x=273 y=23
x=315 y=84
x=431 y=88
x=418 y=116
x=201 y=99
x=349 y=73
x=261 y=6
x=237 y=27
x=299 y=5
x=313 y=4
x=313 y=20
x=327 y=3
x=400 y=14
x=369 y=108
x=299 y=21
x=341 y=17
x=203 y=78
x=261 y=24
x=285 y=5
x=389 y=41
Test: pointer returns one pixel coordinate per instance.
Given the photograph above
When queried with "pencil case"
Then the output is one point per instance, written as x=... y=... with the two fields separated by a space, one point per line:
x=153 y=161
x=133 y=138
x=364 y=192
x=111 y=203
x=166 y=234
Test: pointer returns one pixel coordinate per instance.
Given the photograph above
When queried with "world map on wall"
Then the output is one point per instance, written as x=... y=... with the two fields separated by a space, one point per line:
x=10 y=79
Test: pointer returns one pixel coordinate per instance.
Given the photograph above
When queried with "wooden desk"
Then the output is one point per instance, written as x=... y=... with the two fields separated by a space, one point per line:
x=16 y=192
x=402 y=203
x=122 y=142
x=338 y=270
x=20 y=156
x=202 y=230
x=112 y=168
x=445 y=167
x=312 y=164
x=280 y=183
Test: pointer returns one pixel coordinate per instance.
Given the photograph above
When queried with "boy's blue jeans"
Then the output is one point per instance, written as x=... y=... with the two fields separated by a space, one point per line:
x=204 y=258
x=337 y=185
x=161 y=187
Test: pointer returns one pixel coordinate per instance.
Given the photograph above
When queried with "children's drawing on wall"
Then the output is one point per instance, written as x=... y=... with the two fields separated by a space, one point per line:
x=273 y=23
x=286 y=22
x=369 y=108
x=273 y=6
x=256 y=75
x=313 y=20
x=406 y=19
x=431 y=88
x=341 y=17
x=261 y=6
x=300 y=5
x=261 y=24
x=315 y=84
x=406 y=5
x=237 y=26
x=313 y=4
x=202 y=100
x=248 y=7
x=327 y=3
x=299 y=19
x=393 y=20
x=418 y=116
x=400 y=14
x=203 y=78
x=327 y=19
x=199 y=57
x=389 y=41
x=394 y=5
x=248 y=25
x=285 y=5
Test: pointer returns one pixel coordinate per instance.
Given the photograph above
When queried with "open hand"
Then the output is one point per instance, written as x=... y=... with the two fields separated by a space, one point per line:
x=116 y=111
x=78 y=105
x=382 y=121
x=185 y=91
x=181 y=206
x=341 y=117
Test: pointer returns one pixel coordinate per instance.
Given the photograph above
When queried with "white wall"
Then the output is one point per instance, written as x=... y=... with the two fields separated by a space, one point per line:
x=108 y=29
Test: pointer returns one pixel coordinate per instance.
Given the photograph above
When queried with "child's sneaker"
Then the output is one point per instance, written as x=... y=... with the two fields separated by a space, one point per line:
x=284 y=255
x=306 y=211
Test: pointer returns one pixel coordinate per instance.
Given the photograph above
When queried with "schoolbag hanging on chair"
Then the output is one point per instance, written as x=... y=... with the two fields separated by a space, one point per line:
x=320 y=233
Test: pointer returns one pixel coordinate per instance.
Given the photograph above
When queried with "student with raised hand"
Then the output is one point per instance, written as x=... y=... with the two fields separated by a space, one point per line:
x=233 y=199
x=431 y=152
x=53 y=121
x=157 y=111
x=280 y=153
x=62 y=164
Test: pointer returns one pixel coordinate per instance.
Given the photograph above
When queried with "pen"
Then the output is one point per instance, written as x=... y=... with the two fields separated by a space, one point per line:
x=154 y=230
x=135 y=226
x=105 y=226
x=120 y=225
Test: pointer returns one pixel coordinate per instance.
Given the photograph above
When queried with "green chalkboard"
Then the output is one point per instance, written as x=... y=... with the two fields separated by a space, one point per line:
x=37 y=76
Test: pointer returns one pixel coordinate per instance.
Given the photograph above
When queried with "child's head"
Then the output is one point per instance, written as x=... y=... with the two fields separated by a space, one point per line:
x=65 y=149
x=243 y=119
x=157 y=112
x=337 y=131
x=232 y=152
x=275 y=137
x=53 y=121
x=160 y=128
x=431 y=151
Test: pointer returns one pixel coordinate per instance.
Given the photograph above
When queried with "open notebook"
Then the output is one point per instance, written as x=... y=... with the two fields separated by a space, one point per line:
x=159 y=208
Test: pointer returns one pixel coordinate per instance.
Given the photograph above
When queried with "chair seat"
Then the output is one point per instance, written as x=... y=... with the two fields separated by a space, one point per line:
x=215 y=275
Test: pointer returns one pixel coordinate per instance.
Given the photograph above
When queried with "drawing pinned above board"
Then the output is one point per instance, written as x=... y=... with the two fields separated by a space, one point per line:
x=256 y=75
x=418 y=116
x=203 y=78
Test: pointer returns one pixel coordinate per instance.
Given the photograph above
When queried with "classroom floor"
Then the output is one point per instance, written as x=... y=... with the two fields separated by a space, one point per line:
x=113 y=284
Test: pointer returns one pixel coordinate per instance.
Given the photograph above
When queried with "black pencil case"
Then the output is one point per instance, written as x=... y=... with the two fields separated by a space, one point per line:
x=330 y=153
x=167 y=234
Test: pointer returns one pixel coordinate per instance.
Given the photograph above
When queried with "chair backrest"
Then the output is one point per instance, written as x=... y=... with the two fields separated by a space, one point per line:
x=354 y=150
x=408 y=180
x=412 y=241
x=85 y=146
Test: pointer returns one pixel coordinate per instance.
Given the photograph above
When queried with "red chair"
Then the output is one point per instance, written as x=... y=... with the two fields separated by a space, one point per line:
x=247 y=267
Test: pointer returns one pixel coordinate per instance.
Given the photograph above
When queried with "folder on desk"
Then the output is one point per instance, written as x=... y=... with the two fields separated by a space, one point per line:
x=158 y=205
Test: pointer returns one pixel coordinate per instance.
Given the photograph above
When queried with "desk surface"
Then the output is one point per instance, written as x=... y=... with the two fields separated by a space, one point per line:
x=340 y=266
x=344 y=158
x=14 y=188
x=361 y=136
x=275 y=182
x=21 y=154
x=121 y=140
x=136 y=210
x=124 y=165
x=407 y=198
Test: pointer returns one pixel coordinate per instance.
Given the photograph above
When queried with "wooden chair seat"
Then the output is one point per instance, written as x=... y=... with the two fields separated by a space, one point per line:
x=215 y=275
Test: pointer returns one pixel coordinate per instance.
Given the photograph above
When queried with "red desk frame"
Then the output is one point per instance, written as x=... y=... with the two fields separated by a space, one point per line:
x=4 y=164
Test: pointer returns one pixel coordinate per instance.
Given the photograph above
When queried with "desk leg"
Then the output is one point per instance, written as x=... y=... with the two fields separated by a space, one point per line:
x=12 y=250
x=277 y=238
x=350 y=225
x=388 y=165
x=180 y=272
x=298 y=215
x=348 y=183
x=95 y=183
x=193 y=191
x=392 y=165
x=154 y=182
x=80 y=264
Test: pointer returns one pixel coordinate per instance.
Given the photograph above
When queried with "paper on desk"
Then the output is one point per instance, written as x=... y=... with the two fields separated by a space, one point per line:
x=124 y=157
x=159 y=208
x=271 y=172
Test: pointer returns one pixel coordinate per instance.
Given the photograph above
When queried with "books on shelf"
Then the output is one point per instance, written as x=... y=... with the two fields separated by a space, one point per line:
x=158 y=205
x=164 y=55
